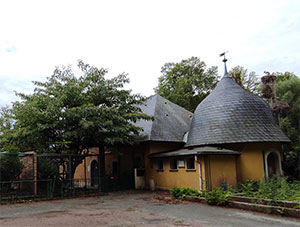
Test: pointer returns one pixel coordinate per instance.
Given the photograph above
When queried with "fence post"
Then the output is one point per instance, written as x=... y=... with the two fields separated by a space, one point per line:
x=34 y=173
x=100 y=181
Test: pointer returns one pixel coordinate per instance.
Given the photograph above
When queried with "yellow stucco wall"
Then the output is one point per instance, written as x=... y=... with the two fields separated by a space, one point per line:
x=181 y=177
x=168 y=178
x=222 y=169
x=125 y=165
x=79 y=173
x=250 y=164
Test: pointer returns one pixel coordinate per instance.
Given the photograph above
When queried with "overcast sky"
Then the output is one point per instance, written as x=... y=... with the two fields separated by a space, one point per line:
x=139 y=37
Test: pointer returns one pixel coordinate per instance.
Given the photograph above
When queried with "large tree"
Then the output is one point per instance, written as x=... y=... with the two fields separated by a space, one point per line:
x=246 y=80
x=288 y=91
x=67 y=114
x=187 y=83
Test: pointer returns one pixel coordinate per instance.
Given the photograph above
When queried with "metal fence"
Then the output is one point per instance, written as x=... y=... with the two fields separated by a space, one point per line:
x=12 y=191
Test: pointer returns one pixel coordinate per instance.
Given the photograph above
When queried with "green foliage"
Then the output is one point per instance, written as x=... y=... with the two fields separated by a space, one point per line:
x=288 y=91
x=217 y=196
x=187 y=83
x=278 y=188
x=10 y=166
x=245 y=80
x=181 y=193
x=248 y=189
x=47 y=169
x=67 y=114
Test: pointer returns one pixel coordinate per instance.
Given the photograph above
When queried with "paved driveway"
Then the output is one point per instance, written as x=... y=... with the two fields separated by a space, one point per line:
x=131 y=208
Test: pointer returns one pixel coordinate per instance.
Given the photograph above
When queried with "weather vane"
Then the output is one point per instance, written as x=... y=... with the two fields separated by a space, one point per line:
x=224 y=60
x=223 y=54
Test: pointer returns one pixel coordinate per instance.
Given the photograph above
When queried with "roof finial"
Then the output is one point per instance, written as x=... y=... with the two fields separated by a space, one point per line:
x=224 y=60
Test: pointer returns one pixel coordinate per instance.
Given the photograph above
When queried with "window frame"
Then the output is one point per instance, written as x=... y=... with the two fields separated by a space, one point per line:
x=160 y=165
x=188 y=162
x=173 y=161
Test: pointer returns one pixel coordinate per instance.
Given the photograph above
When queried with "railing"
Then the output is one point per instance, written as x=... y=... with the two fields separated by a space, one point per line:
x=51 y=188
x=12 y=191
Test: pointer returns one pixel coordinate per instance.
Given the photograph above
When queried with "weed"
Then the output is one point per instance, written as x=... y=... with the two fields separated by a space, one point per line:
x=181 y=193
x=217 y=196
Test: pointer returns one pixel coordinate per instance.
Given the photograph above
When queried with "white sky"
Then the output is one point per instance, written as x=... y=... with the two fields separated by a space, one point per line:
x=139 y=37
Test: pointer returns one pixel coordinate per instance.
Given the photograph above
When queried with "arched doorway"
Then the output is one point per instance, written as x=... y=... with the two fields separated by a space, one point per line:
x=271 y=160
x=273 y=164
x=94 y=173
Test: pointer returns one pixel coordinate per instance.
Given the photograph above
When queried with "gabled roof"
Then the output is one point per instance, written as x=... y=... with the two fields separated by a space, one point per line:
x=195 y=151
x=171 y=122
x=231 y=114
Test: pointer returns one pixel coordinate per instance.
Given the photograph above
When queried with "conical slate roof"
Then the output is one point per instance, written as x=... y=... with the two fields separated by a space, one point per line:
x=231 y=114
x=171 y=122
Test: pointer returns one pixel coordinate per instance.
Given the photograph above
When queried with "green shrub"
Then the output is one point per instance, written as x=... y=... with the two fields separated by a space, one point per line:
x=10 y=166
x=217 y=196
x=277 y=188
x=248 y=189
x=181 y=193
x=47 y=169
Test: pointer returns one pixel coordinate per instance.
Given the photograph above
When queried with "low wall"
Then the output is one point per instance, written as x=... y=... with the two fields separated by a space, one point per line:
x=287 y=209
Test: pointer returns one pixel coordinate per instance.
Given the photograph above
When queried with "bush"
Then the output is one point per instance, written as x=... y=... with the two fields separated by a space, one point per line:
x=277 y=188
x=249 y=189
x=181 y=193
x=217 y=196
x=10 y=166
x=47 y=169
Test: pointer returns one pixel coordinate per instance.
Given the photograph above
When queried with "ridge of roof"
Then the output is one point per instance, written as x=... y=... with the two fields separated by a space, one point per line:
x=154 y=112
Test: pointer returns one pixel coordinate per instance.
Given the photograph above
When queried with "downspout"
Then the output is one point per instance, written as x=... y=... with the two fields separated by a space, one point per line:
x=265 y=167
x=200 y=172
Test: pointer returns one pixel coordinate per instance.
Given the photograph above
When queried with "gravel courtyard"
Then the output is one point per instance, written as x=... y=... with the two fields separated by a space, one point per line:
x=131 y=208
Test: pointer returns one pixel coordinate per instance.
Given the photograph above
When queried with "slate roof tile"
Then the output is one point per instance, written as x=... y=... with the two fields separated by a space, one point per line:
x=231 y=114
x=171 y=122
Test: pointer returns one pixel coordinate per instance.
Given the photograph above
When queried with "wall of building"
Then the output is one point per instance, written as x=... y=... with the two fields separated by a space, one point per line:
x=83 y=170
x=168 y=178
x=250 y=164
x=219 y=167
x=161 y=178
x=124 y=160
x=222 y=169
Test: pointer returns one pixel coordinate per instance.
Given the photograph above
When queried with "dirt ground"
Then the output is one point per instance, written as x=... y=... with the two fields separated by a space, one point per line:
x=130 y=208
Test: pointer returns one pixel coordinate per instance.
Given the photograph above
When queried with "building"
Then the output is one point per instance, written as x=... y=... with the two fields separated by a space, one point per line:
x=232 y=137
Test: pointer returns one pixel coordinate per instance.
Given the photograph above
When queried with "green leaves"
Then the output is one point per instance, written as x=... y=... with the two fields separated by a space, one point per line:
x=88 y=110
x=288 y=90
x=246 y=80
x=10 y=166
x=181 y=193
x=187 y=83
x=277 y=188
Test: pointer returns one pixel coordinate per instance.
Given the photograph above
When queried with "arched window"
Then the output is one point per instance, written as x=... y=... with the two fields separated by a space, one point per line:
x=273 y=164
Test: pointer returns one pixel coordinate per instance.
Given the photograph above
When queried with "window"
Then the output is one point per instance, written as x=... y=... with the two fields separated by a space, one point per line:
x=160 y=164
x=180 y=164
x=190 y=163
x=173 y=164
